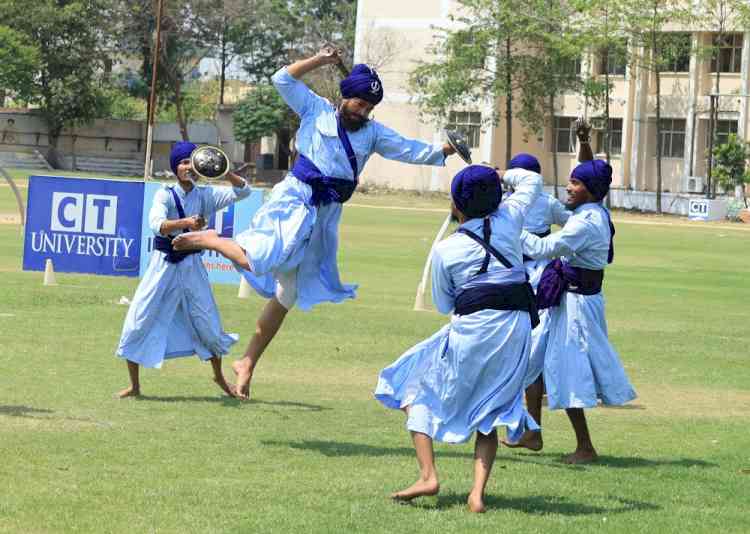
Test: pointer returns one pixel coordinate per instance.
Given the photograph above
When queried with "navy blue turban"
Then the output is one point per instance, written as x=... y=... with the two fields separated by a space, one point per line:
x=180 y=151
x=525 y=161
x=596 y=175
x=476 y=191
x=363 y=82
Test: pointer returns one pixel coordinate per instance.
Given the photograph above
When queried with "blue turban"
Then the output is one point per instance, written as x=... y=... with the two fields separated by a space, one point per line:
x=596 y=175
x=180 y=151
x=525 y=161
x=476 y=191
x=363 y=82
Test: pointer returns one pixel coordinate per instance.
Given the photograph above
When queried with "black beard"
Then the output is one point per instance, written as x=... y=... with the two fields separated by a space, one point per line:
x=351 y=122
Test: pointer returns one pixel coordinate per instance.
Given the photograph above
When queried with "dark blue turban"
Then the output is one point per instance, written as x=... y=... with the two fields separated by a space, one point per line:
x=596 y=175
x=476 y=191
x=525 y=161
x=180 y=151
x=364 y=83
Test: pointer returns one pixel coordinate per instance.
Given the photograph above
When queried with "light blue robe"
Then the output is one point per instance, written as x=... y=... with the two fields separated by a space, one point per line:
x=468 y=377
x=580 y=365
x=544 y=212
x=173 y=312
x=288 y=232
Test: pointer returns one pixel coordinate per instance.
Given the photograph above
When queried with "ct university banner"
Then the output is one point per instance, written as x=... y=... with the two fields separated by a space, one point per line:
x=84 y=226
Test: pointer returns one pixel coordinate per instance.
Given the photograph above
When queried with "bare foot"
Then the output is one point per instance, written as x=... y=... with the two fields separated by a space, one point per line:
x=531 y=439
x=581 y=456
x=475 y=502
x=242 y=369
x=128 y=392
x=226 y=387
x=420 y=488
x=196 y=240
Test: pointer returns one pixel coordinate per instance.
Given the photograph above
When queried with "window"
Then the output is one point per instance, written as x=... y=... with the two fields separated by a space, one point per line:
x=673 y=138
x=615 y=138
x=563 y=138
x=613 y=59
x=728 y=53
x=676 y=52
x=572 y=67
x=468 y=123
x=722 y=131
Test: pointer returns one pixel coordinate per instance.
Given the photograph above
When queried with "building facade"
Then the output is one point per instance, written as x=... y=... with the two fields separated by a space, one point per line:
x=408 y=29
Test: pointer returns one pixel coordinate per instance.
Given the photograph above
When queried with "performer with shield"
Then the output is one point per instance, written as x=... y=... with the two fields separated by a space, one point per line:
x=289 y=252
x=173 y=312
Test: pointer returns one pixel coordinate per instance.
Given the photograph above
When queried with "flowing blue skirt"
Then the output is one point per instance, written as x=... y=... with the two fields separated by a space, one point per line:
x=466 y=378
x=288 y=233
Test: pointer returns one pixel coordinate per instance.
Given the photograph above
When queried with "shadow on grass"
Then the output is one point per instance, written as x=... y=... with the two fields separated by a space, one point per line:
x=23 y=411
x=542 y=504
x=230 y=401
x=343 y=448
x=551 y=459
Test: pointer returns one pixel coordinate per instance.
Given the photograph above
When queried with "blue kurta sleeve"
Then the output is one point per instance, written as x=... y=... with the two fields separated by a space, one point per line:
x=443 y=292
x=392 y=145
x=560 y=214
x=224 y=196
x=295 y=93
x=572 y=238
x=527 y=186
x=159 y=210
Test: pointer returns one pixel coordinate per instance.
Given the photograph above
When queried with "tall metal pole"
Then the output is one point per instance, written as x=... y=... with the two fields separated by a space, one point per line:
x=152 y=96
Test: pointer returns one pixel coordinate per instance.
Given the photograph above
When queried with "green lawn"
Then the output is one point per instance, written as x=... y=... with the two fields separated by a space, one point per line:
x=313 y=452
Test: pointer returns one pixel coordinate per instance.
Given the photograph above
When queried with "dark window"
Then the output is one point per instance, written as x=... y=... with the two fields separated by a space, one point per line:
x=676 y=52
x=673 y=138
x=613 y=60
x=615 y=138
x=563 y=137
x=722 y=131
x=572 y=67
x=468 y=123
x=728 y=53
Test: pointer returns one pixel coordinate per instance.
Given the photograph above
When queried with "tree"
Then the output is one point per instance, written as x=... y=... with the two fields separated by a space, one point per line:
x=262 y=113
x=731 y=164
x=67 y=34
x=653 y=51
x=20 y=61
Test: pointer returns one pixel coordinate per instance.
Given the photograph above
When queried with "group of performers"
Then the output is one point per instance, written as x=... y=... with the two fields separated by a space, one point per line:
x=526 y=309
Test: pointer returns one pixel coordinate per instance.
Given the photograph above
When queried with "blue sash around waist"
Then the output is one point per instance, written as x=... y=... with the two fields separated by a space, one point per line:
x=560 y=276
x=327 y=189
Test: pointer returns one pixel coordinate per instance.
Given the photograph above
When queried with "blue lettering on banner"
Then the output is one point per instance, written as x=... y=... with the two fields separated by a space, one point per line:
x=83 y=226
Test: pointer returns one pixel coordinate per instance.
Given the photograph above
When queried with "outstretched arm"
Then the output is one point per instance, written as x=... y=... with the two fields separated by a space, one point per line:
x=583 y=132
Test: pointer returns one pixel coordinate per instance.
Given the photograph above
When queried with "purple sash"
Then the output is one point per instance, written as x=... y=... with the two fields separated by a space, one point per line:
x=559 y=276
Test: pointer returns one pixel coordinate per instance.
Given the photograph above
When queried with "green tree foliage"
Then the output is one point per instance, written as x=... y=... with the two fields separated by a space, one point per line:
x=67 y=35
x=730 y=160
x=262 y=112
x=20 y=62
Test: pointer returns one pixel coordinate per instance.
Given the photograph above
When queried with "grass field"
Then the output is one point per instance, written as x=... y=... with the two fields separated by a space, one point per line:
x=313 y=452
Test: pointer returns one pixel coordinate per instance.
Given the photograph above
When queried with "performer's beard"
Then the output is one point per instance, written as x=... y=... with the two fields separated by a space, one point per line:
x=352 y=121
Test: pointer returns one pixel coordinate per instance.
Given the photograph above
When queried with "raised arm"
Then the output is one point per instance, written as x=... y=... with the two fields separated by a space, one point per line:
x=328 y=55
x=583 y=132
x=295 y=93
x=527 y=186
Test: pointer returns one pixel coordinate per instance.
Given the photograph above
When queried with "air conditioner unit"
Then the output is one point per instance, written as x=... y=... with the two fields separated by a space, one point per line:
x=693 y=184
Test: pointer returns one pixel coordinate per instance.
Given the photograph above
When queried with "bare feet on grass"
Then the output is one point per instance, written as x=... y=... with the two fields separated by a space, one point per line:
x=226 y=387
x=475 y=502
x=128 y=392
x=241 y=368
x=421 y=488
x=531 y=439
x=581 y=456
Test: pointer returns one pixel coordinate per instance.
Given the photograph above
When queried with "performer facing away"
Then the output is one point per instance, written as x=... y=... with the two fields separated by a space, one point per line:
x=289 y=252
x=468 y=377
x=173 y=312
x=578 y=364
